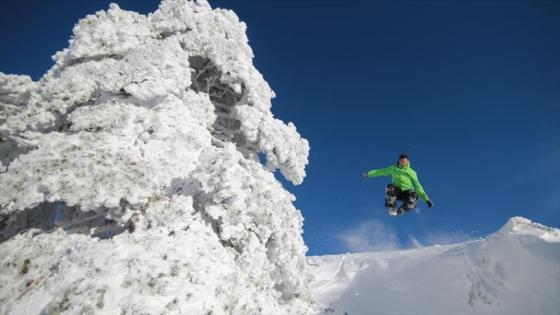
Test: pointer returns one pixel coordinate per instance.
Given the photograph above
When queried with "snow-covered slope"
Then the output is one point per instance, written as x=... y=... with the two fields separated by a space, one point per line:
x=513 y=271
x=131 y=180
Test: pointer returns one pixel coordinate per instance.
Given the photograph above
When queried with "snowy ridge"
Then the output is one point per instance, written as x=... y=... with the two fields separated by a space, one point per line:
x=130 y=174
x=512 y=271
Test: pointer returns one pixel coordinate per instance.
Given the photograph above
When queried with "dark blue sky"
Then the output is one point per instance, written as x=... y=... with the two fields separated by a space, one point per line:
x=471 y=90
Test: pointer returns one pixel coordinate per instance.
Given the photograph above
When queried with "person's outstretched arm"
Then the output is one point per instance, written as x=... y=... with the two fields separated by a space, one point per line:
x=382 y=171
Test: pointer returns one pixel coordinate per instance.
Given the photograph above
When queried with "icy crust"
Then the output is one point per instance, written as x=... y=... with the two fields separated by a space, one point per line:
x=154 y=123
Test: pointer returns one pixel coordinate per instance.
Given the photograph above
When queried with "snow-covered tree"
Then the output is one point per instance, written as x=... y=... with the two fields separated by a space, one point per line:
x=131 y=180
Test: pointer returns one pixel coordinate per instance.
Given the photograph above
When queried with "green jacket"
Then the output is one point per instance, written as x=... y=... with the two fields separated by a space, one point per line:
x=403 y=177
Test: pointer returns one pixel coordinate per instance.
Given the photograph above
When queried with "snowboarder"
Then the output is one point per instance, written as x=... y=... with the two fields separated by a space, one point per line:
x=404 y=186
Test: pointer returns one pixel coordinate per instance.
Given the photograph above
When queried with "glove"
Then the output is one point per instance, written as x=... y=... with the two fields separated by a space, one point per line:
x=430 y=203
x=364 y=176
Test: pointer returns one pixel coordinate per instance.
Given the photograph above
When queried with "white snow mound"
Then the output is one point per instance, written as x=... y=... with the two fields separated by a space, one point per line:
x=515 y=271
x=130 y=178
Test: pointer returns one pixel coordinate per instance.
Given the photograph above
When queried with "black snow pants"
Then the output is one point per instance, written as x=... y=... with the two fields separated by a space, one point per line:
x=394 y=193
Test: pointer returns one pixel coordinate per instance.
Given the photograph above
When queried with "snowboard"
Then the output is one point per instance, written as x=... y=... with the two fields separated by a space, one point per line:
x=399 y=211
